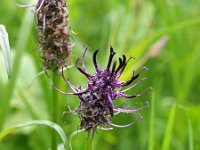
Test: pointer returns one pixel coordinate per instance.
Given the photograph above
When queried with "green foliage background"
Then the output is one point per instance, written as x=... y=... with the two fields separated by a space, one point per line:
x=132 y=27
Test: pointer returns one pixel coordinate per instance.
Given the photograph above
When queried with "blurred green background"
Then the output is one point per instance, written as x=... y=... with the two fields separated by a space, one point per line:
x=163 y=35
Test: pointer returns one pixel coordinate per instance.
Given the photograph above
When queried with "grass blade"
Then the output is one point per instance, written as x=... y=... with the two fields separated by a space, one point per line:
x=190 y=133
x=168 y=131
x=4 y=45
x=151 y=130
x=50 y=124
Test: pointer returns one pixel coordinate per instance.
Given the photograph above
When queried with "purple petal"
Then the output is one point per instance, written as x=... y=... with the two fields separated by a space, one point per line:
x=134 y=77
x=146 y=105
x=133 y=86
x=133 y=96
x=95 y=59
x=125 y=126
x=112 y=53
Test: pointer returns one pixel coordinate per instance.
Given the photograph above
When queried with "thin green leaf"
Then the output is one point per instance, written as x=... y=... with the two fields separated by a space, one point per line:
x=190 y=131
x=152 y=122
x=4 y=45
x=47 y=123
x=168 y=131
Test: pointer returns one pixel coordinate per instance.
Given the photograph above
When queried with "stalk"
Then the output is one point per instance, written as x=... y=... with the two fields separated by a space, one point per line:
x=90 y=139
x=55 y=109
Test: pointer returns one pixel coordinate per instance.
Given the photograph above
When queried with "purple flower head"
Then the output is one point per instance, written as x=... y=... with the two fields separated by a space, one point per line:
x=96 y=100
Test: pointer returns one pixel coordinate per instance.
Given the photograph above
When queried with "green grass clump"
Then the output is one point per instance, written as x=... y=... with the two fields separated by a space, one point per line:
x=132 y=27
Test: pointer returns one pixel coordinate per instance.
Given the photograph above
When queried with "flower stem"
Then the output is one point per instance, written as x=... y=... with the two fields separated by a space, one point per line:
x=55 y=105
x=90 y=139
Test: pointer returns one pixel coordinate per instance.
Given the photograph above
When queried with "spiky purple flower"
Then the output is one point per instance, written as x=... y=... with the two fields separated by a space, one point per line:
x=96 y=100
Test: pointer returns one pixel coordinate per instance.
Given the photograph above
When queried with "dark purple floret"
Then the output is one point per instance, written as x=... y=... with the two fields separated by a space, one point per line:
x=96 y=100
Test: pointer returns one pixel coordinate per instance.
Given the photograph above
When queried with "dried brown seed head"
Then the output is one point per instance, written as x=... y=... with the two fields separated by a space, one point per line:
x=52 y=20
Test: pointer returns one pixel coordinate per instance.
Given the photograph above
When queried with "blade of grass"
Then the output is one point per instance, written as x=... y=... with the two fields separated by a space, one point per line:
x=4 y=45
x=152 y=121
x=50 y=124
x=168 y=131
x=190 y=133
x=24 y=33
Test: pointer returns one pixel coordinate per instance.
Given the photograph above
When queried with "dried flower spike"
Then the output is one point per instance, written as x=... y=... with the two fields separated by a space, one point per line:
x=96 y=100
x=51 y=18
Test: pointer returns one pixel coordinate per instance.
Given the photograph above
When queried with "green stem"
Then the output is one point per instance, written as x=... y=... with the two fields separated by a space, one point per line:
x=90 y=139
x=55 y=105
